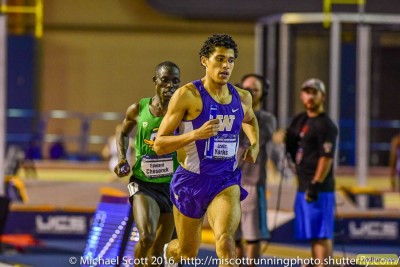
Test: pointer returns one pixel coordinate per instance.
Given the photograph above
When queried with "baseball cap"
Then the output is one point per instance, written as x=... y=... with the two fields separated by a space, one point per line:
x=315 y=84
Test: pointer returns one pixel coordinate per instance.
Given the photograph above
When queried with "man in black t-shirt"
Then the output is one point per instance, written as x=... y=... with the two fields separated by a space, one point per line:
x=311 y=142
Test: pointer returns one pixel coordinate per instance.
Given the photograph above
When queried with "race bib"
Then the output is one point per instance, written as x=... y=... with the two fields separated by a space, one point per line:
x=155 y=167
x=225 y=146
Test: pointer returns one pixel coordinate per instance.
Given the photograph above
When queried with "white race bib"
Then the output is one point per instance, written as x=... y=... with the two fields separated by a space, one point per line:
x=155 y=167
x=225 y=146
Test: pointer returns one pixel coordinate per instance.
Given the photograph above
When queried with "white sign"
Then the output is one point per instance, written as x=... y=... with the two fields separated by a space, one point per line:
x=61 y=224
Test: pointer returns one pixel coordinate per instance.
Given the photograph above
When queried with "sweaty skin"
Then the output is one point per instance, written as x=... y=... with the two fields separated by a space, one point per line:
x=155 y=226
x=186 y=104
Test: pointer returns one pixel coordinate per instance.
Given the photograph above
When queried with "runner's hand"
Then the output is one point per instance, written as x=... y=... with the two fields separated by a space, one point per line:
x=122 y=168
x=250 y=154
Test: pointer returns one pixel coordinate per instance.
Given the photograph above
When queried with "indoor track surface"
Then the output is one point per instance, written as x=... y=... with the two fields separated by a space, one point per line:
x=79 y=185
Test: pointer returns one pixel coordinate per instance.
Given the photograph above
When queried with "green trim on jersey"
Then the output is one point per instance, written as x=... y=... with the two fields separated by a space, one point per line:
x=147 y=128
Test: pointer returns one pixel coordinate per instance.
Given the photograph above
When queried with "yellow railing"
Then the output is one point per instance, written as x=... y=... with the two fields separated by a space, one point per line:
x=36 y=10
x=327 y=8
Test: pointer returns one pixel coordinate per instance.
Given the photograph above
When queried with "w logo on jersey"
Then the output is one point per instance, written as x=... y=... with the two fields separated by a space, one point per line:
x=226 y=122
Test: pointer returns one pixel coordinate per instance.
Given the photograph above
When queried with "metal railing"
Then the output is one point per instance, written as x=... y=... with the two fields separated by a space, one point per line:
x=82 y=138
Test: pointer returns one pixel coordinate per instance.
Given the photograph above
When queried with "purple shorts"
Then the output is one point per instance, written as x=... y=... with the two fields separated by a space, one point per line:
x=191 y=193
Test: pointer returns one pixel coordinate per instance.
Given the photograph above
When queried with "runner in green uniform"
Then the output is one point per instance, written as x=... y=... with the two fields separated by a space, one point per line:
x=150 y=181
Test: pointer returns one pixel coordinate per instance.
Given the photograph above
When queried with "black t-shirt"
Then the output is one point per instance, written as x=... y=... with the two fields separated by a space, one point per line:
x=307 y=140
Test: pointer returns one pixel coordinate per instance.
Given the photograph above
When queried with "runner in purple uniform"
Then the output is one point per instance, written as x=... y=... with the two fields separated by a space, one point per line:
x=208 y=185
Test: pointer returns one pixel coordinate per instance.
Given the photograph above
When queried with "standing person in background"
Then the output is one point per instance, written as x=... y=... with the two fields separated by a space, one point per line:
x=278 y=167
x=110 y=151
x=311 y=142
x=150 y=181
x=394 y=163
x=209 y=180
x=253 y=227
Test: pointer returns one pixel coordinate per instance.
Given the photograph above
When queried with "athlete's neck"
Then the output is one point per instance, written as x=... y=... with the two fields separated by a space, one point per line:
x=218 y=91
x=157 y=107
x=213 y=86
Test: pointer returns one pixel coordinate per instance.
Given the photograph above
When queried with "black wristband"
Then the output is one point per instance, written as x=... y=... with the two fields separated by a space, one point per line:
x=312 y=191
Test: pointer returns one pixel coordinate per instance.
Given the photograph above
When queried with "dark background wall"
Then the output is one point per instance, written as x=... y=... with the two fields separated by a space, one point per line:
x=250 y=10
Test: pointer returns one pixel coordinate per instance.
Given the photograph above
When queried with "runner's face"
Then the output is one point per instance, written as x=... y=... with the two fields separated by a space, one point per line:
x=219 y=65
x=167 y=80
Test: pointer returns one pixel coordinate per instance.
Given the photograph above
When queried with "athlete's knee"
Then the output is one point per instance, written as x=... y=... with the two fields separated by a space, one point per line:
x=225 y=246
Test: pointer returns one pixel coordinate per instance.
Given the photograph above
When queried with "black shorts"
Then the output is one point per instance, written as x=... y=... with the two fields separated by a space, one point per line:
x=157 y=191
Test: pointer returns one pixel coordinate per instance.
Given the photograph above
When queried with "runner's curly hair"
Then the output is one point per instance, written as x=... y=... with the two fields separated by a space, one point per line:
x=216 y=40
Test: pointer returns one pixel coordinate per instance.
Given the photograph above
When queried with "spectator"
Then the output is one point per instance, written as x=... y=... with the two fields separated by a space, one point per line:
x=311 y=142
x=394 y=163
x=253 y=227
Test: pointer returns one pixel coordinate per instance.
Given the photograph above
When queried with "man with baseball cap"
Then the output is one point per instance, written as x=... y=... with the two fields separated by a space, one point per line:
x=311 y=141
x=314 y=84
